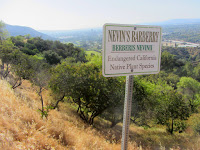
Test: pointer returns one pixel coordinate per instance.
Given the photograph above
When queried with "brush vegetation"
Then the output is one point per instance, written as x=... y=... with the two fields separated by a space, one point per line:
x=55 y=97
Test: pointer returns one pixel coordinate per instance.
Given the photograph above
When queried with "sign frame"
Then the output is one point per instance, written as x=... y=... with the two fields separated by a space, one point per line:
x=134 y=27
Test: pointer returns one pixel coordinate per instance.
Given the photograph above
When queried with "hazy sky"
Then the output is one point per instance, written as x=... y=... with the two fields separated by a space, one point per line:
x=76 y=14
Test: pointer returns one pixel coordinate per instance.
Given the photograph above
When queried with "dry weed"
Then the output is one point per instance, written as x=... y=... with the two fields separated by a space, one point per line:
x=21 y=126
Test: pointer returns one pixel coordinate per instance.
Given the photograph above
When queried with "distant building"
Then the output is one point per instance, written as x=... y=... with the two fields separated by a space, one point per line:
x=169 y=43
x=172 y=43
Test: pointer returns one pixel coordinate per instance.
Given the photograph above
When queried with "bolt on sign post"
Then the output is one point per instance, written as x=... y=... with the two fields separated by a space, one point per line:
x=130 y=50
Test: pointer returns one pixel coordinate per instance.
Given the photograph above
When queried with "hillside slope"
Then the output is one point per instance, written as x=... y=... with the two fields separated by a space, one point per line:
x=21 y=126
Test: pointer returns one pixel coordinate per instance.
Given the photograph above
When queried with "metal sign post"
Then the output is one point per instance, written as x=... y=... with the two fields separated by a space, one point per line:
x=127 y=112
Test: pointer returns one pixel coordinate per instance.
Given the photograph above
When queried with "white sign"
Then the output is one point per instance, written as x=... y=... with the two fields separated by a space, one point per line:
x=131 y=50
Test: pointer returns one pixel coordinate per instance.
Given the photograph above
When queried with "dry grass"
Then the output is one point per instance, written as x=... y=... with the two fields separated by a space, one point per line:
x=21 y=126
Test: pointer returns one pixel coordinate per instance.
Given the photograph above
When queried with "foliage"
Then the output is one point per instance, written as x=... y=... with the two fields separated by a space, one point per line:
x=45 y=111
x=156 y=99
x=196 y=124
x=6 y=49
x=21 y=67
x=18 y=40
x=6 y=56
x=172 y=108
x=170 y=78
x=167 y=61
x=40 y=79
x=52 y=57
x=196 y=72
x=3 y=32
x=142 y=103
x=180 y=125
x=88 y=89
x=190 y=88
x=53 y=51
x=114 y=113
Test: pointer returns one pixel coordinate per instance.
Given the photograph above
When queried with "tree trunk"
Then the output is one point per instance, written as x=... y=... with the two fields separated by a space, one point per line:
x=172 y=127
x=42 y=104
x=81 y=113
x=2 y=70
x=5 y=74
x=91 y=120
x=94 y=115
x=17 y=83
x=61 y=99
x=41 y=99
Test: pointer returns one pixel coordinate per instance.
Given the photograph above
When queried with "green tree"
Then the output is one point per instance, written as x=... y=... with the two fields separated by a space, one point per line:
x=87 y=88
x=6 y=56
x=5 y=46
x=22 y=68
x=167 y=61
x=172 y=112
x=141 y=104
x=18 y=41
x=62 y=79
x=190 y=88
x=196 y=72
x=3 y=32
x=114 y=113
x=147 y=97
x=40 y=44
x=187 y=70
x=40 y=78
x=170 y=78
x=52 y=57
x=76 y=52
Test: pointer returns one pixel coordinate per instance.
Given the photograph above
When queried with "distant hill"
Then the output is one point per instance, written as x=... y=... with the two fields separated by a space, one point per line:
x=22 y=30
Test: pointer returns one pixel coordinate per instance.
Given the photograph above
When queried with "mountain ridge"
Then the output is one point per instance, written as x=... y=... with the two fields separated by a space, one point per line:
x=175 y=22
x=16 y=30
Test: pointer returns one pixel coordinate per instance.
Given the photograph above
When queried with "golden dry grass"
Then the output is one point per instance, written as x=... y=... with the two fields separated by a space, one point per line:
x=21 y=126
